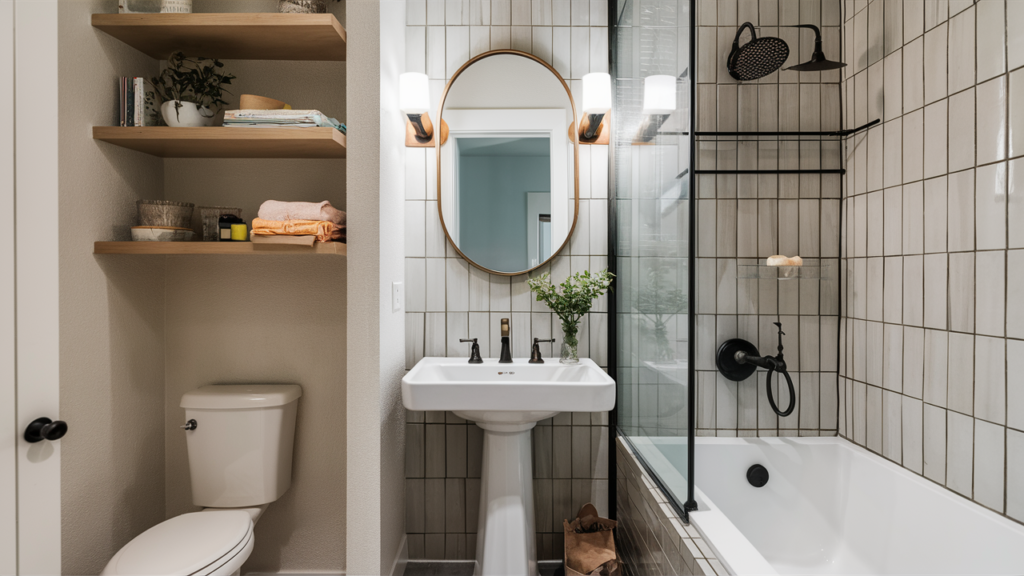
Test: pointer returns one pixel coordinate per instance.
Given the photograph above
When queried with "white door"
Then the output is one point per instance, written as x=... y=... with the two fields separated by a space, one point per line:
x=29 y=298
x=8 y=438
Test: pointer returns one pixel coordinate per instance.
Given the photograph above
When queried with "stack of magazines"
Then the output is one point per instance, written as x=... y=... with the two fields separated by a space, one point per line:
x=133 y=101
x=280 y=119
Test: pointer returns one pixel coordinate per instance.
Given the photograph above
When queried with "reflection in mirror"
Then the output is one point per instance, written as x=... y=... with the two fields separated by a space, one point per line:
x=503 y=190
x=507 y=186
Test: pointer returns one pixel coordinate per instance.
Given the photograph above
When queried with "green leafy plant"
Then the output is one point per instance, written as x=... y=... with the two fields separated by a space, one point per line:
x=197 y=80
x=572 y=299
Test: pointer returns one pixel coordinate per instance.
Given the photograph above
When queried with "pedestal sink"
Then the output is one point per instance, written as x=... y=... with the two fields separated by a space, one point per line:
x=507 y=401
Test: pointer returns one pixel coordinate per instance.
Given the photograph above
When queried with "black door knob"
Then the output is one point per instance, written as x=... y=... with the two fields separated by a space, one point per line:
x=45 y=429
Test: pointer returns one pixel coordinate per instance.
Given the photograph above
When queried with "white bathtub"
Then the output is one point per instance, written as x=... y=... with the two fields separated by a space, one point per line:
x=831 y=507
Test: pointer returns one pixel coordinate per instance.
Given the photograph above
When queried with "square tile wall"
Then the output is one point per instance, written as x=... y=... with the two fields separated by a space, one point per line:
x=447 y=299
x=743 y=219
x=931 y=314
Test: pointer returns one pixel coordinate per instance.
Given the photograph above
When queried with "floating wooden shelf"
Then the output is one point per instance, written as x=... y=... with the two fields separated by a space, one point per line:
x=221 y=142
x=243 y=36
x=203 y=248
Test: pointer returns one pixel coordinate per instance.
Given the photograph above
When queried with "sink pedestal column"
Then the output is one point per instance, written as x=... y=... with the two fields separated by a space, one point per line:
x=506 y=539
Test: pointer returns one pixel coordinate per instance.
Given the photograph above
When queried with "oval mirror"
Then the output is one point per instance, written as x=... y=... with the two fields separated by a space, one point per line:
x=507 y=175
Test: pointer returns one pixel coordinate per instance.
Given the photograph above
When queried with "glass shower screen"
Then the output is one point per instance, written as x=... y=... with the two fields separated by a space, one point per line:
x=651 y=53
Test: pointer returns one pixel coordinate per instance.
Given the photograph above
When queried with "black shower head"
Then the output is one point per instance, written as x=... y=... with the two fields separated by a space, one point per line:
x=818 y=61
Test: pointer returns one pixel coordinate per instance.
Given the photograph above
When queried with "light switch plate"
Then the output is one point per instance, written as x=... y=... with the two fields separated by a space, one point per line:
x=397 y=296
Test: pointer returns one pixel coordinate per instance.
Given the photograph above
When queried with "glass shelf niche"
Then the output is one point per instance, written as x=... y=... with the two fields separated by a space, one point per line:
x=805 y=272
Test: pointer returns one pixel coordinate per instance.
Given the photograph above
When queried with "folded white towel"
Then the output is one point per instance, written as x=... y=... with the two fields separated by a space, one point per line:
x=322 y=211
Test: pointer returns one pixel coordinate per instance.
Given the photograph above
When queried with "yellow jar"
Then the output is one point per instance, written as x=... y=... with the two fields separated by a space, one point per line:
x=239 y=232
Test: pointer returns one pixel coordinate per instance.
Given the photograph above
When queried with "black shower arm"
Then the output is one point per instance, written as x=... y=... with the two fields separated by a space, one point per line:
x=817 y=34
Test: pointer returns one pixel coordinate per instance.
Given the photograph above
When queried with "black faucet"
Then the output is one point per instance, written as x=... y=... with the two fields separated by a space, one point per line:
x=738 y=359
x=474 y=351
x=506 y=353
x=535 y=354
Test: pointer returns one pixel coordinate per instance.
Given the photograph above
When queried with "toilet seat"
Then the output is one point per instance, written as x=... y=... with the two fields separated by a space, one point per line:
x=209 y=543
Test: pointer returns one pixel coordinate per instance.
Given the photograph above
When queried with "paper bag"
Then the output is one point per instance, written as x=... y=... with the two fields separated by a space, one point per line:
x=590 y=545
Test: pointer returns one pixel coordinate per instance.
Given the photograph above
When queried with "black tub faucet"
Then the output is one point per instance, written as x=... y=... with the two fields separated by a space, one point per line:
x=738 y=359
x=506 y=352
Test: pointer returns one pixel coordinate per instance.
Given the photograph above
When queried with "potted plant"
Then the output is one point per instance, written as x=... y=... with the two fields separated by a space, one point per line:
x=188 y=88
x=303 y=6
x=571 y=303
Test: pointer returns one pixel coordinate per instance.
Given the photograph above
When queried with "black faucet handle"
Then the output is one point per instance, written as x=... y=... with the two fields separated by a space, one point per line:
x=474 y=351
x=535 y=357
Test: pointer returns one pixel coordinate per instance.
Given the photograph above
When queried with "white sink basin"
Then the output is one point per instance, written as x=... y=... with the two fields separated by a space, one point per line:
x=454 y=384
x=507 y=400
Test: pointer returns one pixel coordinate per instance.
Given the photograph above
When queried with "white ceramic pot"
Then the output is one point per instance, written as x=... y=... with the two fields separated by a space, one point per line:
x=188 y=116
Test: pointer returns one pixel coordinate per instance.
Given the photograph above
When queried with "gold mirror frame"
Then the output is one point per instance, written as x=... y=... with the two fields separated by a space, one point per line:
x=574 y=136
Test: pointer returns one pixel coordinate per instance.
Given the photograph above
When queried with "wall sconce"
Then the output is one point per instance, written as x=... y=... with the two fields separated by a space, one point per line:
x=659 y=103
x=597 y=104
x=414 y=100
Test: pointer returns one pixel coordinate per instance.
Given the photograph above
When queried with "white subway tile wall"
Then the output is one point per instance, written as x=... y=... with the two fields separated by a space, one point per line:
x=743 y=219
x=953 y=266
x=447 y=299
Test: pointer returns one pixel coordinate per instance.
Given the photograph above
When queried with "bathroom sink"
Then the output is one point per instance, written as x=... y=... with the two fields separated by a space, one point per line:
x=456 y=385
x=507 y=401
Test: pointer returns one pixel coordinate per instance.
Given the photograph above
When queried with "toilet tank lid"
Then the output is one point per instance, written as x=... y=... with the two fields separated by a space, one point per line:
x=241 y=396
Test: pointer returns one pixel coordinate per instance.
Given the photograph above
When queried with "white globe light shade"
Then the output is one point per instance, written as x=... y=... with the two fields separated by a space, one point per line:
x=414 y=93
x=597 y=93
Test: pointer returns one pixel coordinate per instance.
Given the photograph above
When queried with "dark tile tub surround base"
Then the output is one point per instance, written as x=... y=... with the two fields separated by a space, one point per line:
x=651 y=538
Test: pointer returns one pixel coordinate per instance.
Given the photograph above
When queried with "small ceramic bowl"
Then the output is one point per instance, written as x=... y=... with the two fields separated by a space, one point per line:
x=161 y=234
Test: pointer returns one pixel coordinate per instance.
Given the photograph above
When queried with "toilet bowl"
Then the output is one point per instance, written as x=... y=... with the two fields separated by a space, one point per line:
x=240 y=440
x=207 y=543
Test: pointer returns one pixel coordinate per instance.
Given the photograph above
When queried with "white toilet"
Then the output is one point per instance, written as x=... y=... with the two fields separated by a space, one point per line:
x=240 y=440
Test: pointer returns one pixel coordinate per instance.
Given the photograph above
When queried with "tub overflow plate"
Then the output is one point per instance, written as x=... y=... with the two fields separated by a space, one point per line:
x=757 y=475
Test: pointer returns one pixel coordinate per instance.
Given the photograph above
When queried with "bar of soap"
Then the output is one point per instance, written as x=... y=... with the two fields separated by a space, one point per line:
x=779 y=260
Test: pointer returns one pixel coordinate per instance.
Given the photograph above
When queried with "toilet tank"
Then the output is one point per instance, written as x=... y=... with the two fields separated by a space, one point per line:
x=240 y=452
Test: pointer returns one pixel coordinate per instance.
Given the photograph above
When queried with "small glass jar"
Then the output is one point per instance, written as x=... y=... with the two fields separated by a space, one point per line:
x=570 y=352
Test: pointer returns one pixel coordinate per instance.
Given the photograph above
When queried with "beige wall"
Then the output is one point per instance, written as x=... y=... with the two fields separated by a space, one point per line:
x=376 y=229
x=111 y=321
x=273 y=319
x=136 y=333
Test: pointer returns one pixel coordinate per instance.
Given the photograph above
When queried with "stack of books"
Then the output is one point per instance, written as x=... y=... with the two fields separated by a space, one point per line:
x=280 y=119
x=133 y=101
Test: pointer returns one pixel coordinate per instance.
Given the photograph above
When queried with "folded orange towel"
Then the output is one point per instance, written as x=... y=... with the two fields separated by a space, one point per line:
x=324 y=231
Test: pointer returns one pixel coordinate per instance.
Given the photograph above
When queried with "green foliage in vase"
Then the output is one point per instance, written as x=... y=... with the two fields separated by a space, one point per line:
x=572 y=299
x=197 y=80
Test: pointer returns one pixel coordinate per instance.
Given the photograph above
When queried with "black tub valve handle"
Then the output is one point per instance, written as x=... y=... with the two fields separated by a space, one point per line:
x=738 y=360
